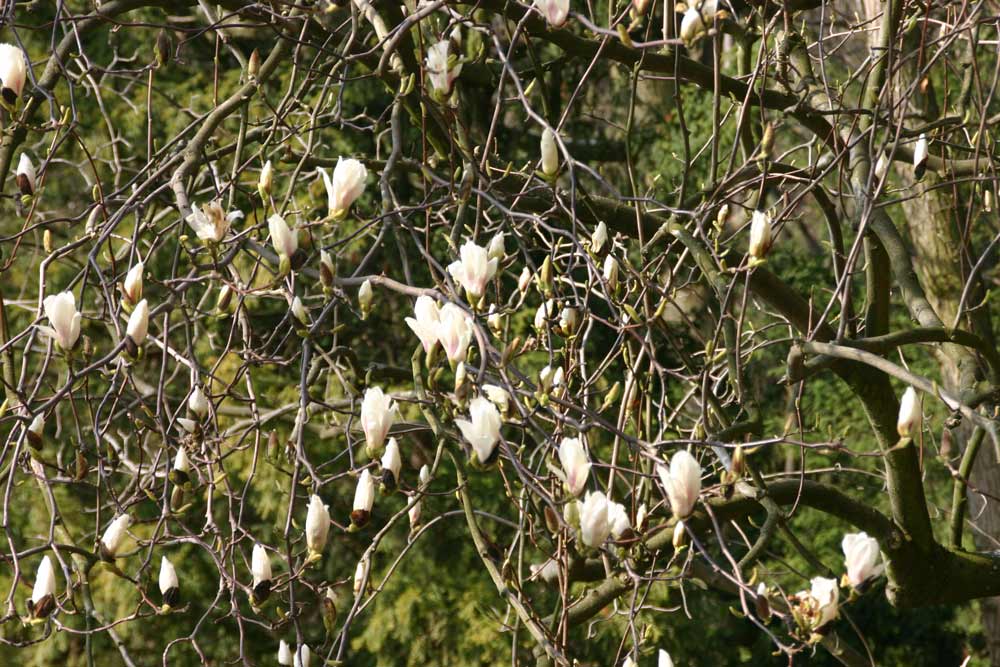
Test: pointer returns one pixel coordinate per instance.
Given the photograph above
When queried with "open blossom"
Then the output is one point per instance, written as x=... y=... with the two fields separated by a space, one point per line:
x=454 y=332
x=862 y=557
x=474 y=269
x=482 y=429
x=760 y=234
x=548 y=572
x=347 y=184
x=283 y=238
x=63 y=318
x=910 y=415
x=114 y=535
x=426 y=321
x=317 y=524
x=575 y=464
x=554 y=11
x=618 y=519
x=42 y=599
x=697 y=20
x=682 y=482
x=441 y=75
x=819 y=605
x=211 y=222
x=499 y=396
x=378 y=414
x=594 y=524
x=13 y=72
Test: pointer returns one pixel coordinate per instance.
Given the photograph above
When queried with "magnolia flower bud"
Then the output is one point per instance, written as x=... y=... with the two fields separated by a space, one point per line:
x=426 y=322
x=499 y=396
x=766 y=140
x=25 y=175
x=550 y=153
x=283 y=238
x=599 y=238
x=224 y=299
x=920 y=155
x=862 y=556
x=114 y=535
x=330 y=610
x=628 y=662
x=299 y=311
x=611 y=272
x=575 y=464
x=454 y=332
x=260 y=569
x=303 y=656
x=378 y=414
x=326 y=270
x=497 y=249
x=13 y=72
x=760 y=234
x=414 y=515
x=364 y=498
x=640 y=517
x=253 y=64
x=680 y=538
x=347 y=184
x=908 y=424
x=43 y=595
x=63 y=318
x=169 y=586
x=138 y=323
x=392 y=463
x=473 y=270
x=594 y=525
x=663 y=659
x=424 y=475
x=365 y=298
x=317 y=525
x=265 y=180
x=132 y=287
x=569 y=318
x=284 y=654
x=482 y=431
x=162 y=48
x=762 y=604
x=697 y=20
x=544 y=313
x=881 y=167
x=495 y=321
x=36 y=431
x=198 y=402
x=682 y=482
x=554 y=11
x=524 y=280
x=571 y=514
x=180 y=474
x=461 y=389
x=360 y=576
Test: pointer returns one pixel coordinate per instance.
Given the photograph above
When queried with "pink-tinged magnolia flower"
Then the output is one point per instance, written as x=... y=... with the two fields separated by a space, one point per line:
x=454 y=332
x=63 y=318
x=347 y=184
x=575 y=464
x=474 y=269
x=862 y=557
x=378 y=414
x=482 y=429
x=819 y=605
x=284 y=239
x=211 y=222
x=594 y=524
x=317 y=525
x=13 y=72
x=441 y=75
x=554 y=11
x=682 y=482
x=910 y=415
x=426 y=322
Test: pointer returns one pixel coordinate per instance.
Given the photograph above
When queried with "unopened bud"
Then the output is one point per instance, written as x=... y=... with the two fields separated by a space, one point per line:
x=326 y=271
x=163 y=48
x=739 y=464
x=544 y=277
x=224 y=298
x=365 y=297
x=253 y=64
x=680 y=536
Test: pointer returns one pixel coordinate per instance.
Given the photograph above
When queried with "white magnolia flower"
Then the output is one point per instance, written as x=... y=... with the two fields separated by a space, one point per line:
x=760 y=234
x=299 y=311
x=442 y=76
x=548 y=572
x=284 y=652
x=682 y=482
x=594 y=524
x=575 y=464
x=545 y=312
x=862 y=557
x=391 y=460
x=198 y=402
x=454 y=332
x=819 y=605
x=211 y=222
x=283 y=238
x=168 y=576
x=63 y=318
x=920 y=156
x=132 y=287
x=426 y=321
x=611 y=272
x=265 y=180
x=628 y=662
x=13 y=72
x=317 y=524
x=302 y=656
x=697 y=20
x=881 y=167
x=497 y=248
x=550 y=153
x=554 y=11
x=568 y=319
x=524 y=279
x=365 y=297
x=114 y=535
x=618 y=519
x=138 y=323
x=499 y=396
x=45 y=585
x=424 y=475
x=260 y=565
x=550 y=378
x=378 y=414
x=599 y=237
x=25 y=175
x=364 y=494
x=474 y=269
x=908 y=424
x=347 y=184
x=664 y=660
x=482 y=430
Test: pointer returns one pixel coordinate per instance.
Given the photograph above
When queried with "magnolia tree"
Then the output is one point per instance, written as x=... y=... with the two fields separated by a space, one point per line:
x=294 y=288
